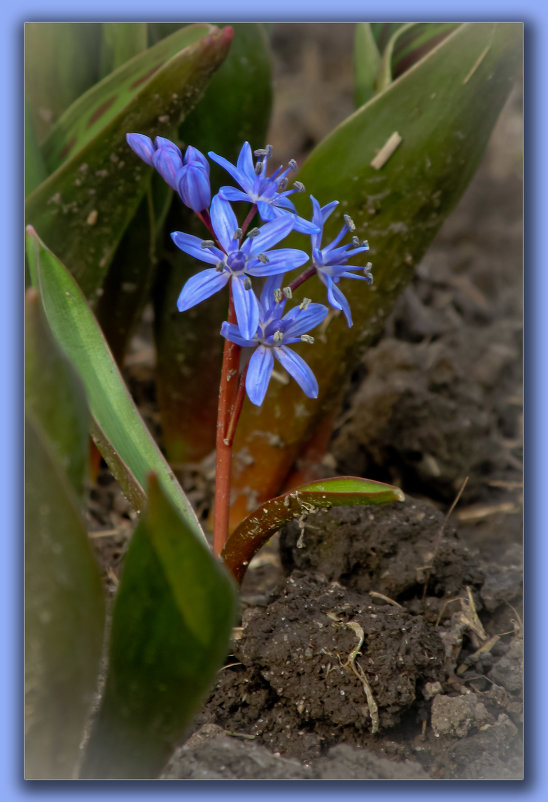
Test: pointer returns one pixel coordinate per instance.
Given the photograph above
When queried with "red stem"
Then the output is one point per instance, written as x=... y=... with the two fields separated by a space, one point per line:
x=305 y=275
x=251 y=214
x=237 y=408
x=228 y=390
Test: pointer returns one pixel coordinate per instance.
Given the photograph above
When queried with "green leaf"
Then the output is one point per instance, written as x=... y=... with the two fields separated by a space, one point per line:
x=64 y=615
x=120 y=41
x=61 y=62
x=171 y=625
x=240 y=95
x=94 y=193
x=118 y=429
x=444 y=110
x=341 y=491
x=366 y=63
x=127 y=286
x=407 y=45
x=35 y=168
x=383 y=31
x=55 y=394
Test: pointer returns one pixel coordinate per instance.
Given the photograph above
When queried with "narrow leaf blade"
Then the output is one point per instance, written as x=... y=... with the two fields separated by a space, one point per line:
x=64 y=615
x=366 y=63
x=55 y=394
x=127 y=445
x=171 y=626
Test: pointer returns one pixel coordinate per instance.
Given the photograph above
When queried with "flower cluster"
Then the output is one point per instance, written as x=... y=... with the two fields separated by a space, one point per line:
x=238 y=255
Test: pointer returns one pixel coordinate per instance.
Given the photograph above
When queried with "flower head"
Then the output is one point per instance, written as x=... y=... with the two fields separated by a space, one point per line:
x=189 y=176
x=236 y=261
x=331 y=262
x=268 y=192
x=274 y=332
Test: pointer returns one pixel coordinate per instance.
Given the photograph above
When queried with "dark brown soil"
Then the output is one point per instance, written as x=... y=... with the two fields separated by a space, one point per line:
x=386 y=643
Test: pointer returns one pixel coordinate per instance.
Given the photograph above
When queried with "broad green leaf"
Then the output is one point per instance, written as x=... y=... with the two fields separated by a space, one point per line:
x=444 y=110
x=64 y=615
x=366 y=63
x=95 y=191
x=240 y=95
x=55 y=394
x=255 y=530
x=121 y=41
x=119 y=431
x=61 y=62
x=171 y=625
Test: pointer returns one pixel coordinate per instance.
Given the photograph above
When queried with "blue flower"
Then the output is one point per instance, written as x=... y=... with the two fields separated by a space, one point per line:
x=331 y=262
x=236 y=261
x=268 y=192
x=274 y=333
x=189 y=176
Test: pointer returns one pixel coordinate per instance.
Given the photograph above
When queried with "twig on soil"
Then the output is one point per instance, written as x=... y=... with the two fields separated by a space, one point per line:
x=477 y=512
x=483 y=649
x=439 y=537
x=377 y=595
x=356 y=668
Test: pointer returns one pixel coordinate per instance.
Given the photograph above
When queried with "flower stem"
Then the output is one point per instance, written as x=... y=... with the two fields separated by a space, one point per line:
x=251 y=214
x=305 y=275
x=228 y=391
x=238 y=403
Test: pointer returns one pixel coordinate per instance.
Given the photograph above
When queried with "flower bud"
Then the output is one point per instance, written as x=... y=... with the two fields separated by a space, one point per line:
x=193 y=180
x=168 y=162
x=142 y=146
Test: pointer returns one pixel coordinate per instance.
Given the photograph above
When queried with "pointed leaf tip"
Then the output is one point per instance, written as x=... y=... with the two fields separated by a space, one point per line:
x=260 y=525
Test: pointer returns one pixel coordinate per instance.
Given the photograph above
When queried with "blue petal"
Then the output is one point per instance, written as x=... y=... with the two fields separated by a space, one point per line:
x=258 y=374
x=142 y=146
x=305 y=226
x=271 y=284
x=268 y=212
x=231 y=332
x=297 y=367
x=168 y=162
x=196 y=158
x=328 y=209
x=224 y=222
x=305 y=320
x=282 y=202
x=245 y=162
x=193 y=187
x=193 y=246
x=162 y=142
x=233 y=194
x=236 y=174
x=199 y=287
x=281 y=260
x=246 y=307
x=271 y=233
x=337 y=299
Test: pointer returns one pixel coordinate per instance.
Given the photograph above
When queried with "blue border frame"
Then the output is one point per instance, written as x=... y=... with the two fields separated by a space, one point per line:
x=11 y=55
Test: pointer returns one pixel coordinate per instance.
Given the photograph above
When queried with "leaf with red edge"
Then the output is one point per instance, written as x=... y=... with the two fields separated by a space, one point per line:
x=341 y=491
